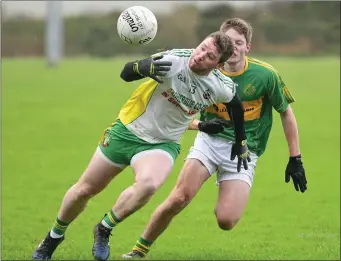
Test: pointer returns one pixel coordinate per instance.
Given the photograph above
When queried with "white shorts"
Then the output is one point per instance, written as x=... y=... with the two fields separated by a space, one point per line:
x=215 y=152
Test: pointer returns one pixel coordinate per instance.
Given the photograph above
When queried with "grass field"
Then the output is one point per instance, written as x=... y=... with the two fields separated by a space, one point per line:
x=52 y=120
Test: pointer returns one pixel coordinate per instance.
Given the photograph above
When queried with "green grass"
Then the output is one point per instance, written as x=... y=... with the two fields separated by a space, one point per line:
x=52 y=120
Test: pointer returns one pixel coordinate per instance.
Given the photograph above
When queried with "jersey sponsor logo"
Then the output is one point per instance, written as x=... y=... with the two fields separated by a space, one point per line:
x=176 y=103
x=252 y=110
x=215 y=107
x=249 y=90
x=178 y=99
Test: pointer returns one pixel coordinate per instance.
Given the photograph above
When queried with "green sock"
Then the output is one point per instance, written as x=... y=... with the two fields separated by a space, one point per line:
x=110 y=220
x=142 y=246
x=58 y=229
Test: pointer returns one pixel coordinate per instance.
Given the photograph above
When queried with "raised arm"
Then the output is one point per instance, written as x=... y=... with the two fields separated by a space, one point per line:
x=150 y=67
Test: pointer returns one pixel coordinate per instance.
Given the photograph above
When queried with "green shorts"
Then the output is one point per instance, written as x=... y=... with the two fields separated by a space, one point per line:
x=119 y=145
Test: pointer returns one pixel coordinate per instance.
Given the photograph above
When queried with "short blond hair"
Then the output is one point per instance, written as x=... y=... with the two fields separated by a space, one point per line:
x=240 y=25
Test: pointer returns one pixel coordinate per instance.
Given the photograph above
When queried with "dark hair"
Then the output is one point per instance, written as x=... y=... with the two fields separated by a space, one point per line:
x=240 y=25
x=224 y=45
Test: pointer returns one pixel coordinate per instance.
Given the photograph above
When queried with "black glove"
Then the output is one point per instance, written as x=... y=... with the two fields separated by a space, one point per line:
x=296 y=171
x=213 y=126
x=151 y=67
x=240 y=150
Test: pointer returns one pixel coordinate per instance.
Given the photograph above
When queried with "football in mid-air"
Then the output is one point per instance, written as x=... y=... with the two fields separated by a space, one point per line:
x=137 y=25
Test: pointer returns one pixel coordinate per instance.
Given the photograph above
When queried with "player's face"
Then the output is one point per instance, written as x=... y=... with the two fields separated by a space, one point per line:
x=241 y=48
x=205 y=57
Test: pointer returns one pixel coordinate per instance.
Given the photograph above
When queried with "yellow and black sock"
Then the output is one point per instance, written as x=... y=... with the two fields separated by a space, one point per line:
x=58 y=229
x=110 y=220
x=142 y=246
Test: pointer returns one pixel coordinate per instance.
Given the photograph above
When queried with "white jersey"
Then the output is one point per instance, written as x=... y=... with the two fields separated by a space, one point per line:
x=160 y=113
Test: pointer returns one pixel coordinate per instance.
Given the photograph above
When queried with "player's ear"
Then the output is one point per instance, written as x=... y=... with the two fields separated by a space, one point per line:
x=248 y=47
x=220 y=65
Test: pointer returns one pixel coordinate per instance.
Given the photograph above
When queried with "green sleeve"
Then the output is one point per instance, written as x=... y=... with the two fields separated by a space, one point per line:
x=278 y=92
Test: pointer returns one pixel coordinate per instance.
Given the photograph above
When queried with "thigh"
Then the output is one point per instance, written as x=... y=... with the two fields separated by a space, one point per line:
x=227 y=170
x=192 y=176
x=99 y=172
x=232 y=199
x=203 y=151
x=234 y=187
x=154 y=162
x=152 y=167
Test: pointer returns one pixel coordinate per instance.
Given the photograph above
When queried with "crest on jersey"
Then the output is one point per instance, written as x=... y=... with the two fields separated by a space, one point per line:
x=249 y=90
x=106 y=140
x=206 y=94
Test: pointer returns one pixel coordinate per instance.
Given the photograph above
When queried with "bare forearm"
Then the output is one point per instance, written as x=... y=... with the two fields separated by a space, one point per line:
x=291 y=131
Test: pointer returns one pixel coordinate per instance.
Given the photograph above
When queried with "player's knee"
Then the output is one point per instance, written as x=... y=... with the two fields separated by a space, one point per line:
x=84 y=191
x=226 y=223
x=146 y=187
x=225 y=220
x=179 y=200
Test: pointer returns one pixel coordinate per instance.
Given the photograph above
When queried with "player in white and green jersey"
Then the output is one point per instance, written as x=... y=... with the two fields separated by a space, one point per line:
x=147 y=132
x=261 y=88
x=160 y=113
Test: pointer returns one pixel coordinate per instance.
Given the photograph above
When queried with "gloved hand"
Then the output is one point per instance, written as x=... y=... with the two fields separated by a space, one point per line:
x=213 y=126
x=296 y=171
x=240 y=150
x=151 y=67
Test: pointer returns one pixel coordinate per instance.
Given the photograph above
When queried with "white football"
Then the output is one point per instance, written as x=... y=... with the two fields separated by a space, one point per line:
x=137 y=25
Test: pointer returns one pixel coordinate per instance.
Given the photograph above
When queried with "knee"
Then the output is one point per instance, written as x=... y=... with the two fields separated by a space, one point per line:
x=146 y=187
x=226 y=221
x=179 y=200
x=83 y=191
x=227 y=224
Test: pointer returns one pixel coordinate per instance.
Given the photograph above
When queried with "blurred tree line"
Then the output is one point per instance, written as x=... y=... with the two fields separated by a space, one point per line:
x=280 y=28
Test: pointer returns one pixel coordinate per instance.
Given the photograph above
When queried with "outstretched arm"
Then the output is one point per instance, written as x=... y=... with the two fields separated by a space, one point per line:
x=152 y=67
